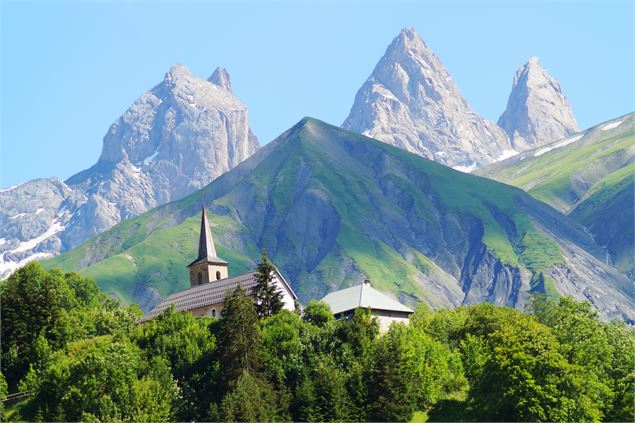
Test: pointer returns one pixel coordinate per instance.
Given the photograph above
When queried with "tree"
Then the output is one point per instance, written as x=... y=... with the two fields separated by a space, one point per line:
x=3 y=394
x=251 y=400
x=318 y=313
x=283 y=348
x=59 y=307
x=412 y=372
x=517 y=372
x=322 y=394
x=268 y=296
x=239 y=338
x=188 y=345
x=622 y=372
x=359 y=331
x=104 y=379
x=603 y=354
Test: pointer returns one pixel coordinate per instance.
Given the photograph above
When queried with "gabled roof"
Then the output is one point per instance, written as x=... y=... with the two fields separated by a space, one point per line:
x=362 y=295
x=206 y=248
x=211 y=293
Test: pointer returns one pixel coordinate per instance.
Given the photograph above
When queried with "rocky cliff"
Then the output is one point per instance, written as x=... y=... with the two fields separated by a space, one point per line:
x=410 y=101
x=537 y=110
x=172 y=141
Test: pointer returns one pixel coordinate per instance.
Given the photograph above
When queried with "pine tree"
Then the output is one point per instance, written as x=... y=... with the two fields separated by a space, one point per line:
x=268 y=297
x=239 y=338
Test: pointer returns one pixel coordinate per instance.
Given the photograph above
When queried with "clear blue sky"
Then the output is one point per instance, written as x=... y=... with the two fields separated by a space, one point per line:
x=69 y=69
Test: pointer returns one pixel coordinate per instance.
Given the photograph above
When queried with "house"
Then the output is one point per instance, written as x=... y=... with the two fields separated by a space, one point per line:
x=210 y=282
x=344 y=302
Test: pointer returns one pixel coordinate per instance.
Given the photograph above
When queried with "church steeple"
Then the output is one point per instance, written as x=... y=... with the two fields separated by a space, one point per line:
x=208 y=266
x=206 y=247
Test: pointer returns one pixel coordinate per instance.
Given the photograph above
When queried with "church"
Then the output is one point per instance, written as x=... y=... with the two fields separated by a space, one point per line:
x=210 y=282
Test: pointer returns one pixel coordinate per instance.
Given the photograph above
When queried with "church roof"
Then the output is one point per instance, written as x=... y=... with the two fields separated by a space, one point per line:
x=211 y=293
x=362 y=295
x=203 y=295
x=206 y=248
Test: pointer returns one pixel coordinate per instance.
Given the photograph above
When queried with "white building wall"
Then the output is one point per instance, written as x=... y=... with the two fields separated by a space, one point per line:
x=287 y=297
x=386 y=321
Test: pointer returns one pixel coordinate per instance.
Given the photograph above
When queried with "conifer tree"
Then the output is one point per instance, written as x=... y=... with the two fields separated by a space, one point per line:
x=239 y=338
x=268 y=297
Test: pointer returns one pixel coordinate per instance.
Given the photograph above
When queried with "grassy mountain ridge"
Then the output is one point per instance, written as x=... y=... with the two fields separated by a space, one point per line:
x=588 y=176
x=331 y=206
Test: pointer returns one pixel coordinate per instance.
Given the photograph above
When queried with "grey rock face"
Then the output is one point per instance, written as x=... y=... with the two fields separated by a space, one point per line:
x=411 y=102
x=221 y=78
x=32 y=215
x=172 y=141
x=537 y=110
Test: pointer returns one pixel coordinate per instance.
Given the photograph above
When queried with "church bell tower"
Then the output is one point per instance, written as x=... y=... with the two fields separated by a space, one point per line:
x=207 y=267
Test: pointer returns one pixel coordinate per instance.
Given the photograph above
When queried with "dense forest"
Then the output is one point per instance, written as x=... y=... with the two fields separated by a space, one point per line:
x=79 y=355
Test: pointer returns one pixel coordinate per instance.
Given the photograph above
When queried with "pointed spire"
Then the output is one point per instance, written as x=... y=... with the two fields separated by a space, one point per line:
x=206 y=249
x=221 y=78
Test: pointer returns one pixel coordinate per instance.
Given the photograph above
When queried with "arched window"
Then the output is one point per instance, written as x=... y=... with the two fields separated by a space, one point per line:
x=217 y=275
x=200 y=278
x=213 y=312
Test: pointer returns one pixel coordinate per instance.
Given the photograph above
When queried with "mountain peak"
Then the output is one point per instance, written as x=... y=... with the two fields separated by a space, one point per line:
x=177 y=71
x=409 y=34
x=537 y=111
x=221 y=78
x=409 y=43
x=411 y=101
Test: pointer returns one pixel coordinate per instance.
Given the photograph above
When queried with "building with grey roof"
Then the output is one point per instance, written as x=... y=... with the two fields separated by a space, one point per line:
x=387 y=310
x=210 y=282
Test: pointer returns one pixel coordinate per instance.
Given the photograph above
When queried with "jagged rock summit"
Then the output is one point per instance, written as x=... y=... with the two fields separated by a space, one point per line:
x=411 y=102
x=172 y=141
x=221 y=78
x=537 y=110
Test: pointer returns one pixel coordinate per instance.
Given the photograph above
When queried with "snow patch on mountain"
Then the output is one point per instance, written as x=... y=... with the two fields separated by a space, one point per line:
x=8 y=267
x=32 y=243
x=611 y=125
x=466 y=169
x=10 y=188
x=506 y=154
x=559 y=144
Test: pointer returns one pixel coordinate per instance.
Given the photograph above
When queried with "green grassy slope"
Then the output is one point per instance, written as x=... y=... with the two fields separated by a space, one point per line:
x=562 y=176
x=331 y=206
x=607 y=211
x=591 y=179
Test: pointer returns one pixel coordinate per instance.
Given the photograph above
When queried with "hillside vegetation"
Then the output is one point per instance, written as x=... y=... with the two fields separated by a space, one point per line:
x=588 y=176
x=81 y=358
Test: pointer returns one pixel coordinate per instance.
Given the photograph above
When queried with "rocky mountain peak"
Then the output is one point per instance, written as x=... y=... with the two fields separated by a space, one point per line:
x=176 y=73
x=173 y=140
x=221 y=78
x=537 y=111
x=411 y=101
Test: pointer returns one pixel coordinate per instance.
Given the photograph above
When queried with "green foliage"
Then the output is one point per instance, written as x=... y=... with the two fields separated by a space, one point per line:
x=476 y=363
x=412 y=372
x=601 y=354
x=239 y=340
x=105 y=379
x=251 y=400
x=322 y=393
x=518 y=373
x=317 y=313
x=46 y=310
x=4 y=389
x=188 y=346
x=268 y=297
